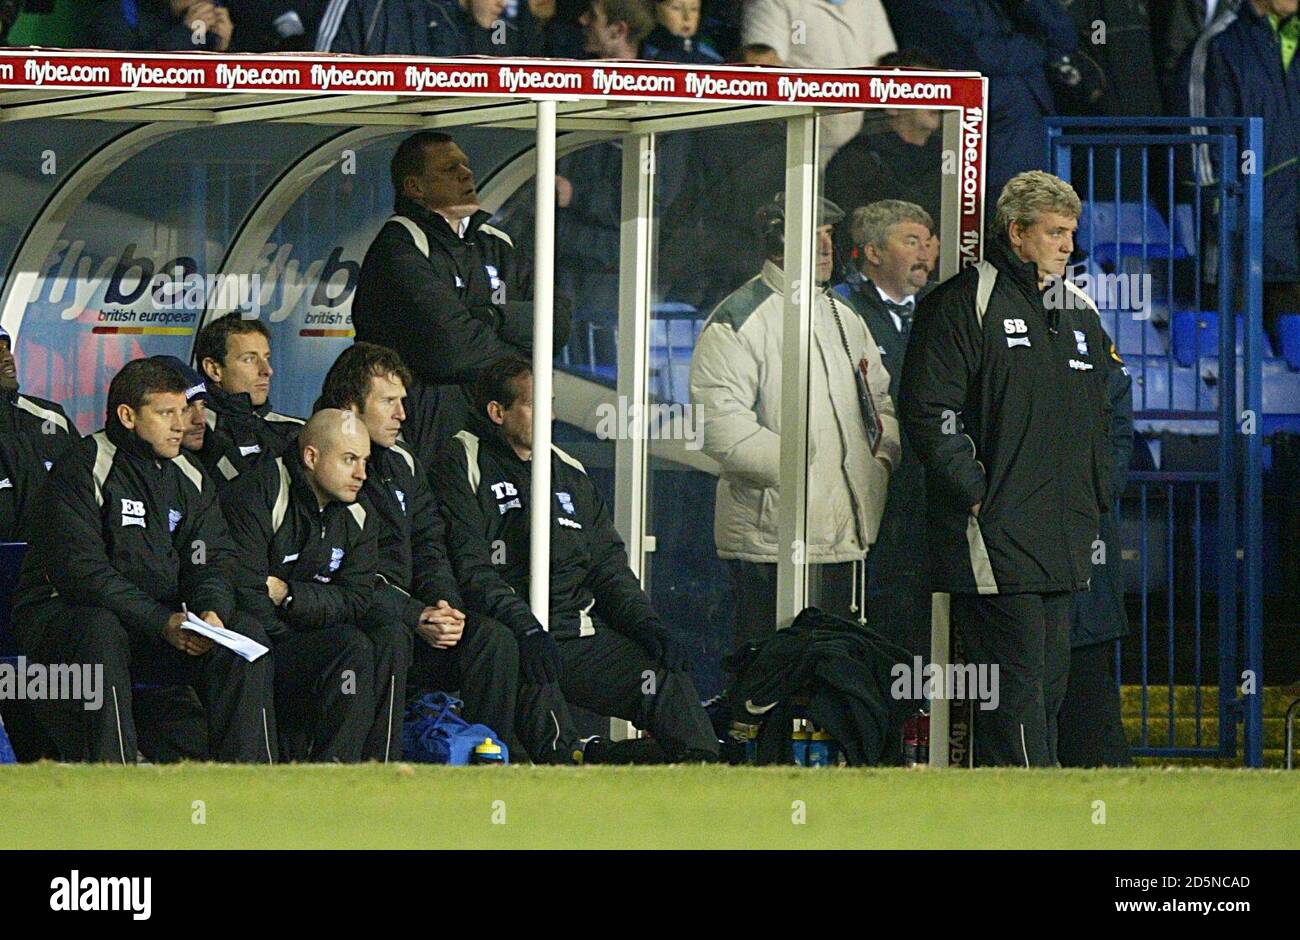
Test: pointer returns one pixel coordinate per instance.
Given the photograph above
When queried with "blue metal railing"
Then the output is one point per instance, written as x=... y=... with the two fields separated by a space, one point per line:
x=1214 y=237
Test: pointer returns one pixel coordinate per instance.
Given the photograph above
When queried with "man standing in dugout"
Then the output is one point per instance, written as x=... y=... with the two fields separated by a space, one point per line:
x=443 y=288
x=1004 y=396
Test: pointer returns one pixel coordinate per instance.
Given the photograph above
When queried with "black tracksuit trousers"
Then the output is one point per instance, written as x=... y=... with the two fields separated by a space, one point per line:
x=484 y=668
x=611 y=675
x=1091 y=721
x=392 y=646
x=324 y=681
x=606 y=673
x=236 y=694
x=1028 y=637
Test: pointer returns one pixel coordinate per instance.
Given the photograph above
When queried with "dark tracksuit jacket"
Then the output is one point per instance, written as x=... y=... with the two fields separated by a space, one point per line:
x=240 y=437
x=137 y=536
x=25 y=459
x=90 y=551
x=21 y=413
x=414 y=570
x=484 y=489
x=1012 y=413
x=448 y=311
x=327 y=557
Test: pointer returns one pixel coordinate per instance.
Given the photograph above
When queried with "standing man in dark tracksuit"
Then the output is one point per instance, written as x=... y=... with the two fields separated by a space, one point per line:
x=306 y=571
x=890 y=240
x=234 y=355
x=604 y=647
x=415 y=590
x=1004 y=397
x=131 y=536
x=443 y=288
x=1091 y=719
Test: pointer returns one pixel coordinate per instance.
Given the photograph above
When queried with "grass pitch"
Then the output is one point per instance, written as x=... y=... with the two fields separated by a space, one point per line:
x=400 y=806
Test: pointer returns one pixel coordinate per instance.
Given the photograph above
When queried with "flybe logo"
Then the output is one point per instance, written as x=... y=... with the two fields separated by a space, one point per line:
x=140 y=278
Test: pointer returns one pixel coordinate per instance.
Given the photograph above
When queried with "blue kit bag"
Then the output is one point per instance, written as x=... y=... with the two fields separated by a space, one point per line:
x=434 y=733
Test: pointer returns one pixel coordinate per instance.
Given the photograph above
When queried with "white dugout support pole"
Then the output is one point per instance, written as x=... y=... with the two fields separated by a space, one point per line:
x=539 y=519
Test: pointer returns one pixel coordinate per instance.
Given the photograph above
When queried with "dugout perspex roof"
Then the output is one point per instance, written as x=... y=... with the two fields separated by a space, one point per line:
x=405 y=92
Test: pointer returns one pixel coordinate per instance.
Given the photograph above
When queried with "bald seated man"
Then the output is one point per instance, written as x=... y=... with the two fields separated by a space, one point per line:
x=306 y=559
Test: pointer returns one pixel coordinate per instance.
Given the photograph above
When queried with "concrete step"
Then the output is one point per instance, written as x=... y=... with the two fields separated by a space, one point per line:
x=1276 y=700
x=1185 y=732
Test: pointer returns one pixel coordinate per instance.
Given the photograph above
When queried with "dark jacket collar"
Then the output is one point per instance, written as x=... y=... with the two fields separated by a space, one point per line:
x=1001 y=255
x=238 y=405
x=491 y=438
x=130 y=443
x=433 y=222
x=300 y=490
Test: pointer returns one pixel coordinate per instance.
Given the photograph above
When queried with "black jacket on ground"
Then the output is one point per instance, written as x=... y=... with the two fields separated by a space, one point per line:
x=326 y=556
x=124 y=530
x=1013 y=414
x=485 y=493
x=1099 y=613
x=846 y=672
x=241 y=437
x=414 y=569
x=448 y=314
x=28 y=414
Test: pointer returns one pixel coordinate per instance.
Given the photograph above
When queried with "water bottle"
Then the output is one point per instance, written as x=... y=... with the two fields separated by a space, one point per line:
x=822 y=751
x=799 y=741
x=916 y=739
x=489 y=752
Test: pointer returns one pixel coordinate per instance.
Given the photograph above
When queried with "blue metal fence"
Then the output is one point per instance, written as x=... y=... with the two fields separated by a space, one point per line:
x=1173 y=216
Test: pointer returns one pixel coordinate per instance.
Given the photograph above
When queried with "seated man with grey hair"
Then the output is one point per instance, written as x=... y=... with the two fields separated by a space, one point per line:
x=890 y=248
x=1004 y=397
x=305 y=568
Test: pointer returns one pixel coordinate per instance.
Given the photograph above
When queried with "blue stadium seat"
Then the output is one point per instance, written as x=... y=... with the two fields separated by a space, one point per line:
x=1140 y=231
x=1288 y=332
x=1281 y=388
x=1132 y=337
x=1196 y=336
x=1152 y=378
